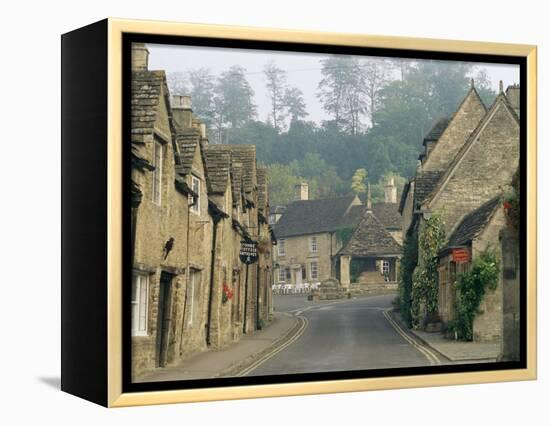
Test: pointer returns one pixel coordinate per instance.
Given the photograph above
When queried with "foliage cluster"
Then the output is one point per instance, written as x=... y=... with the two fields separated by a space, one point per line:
x=470 y=288
x=409 y=260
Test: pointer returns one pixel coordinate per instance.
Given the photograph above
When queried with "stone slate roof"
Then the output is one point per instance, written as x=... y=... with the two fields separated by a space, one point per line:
x=187 y=140
x=246 y=155
x=425 y=183
x=218 y=166
x=313 y=216
x=236 y=182
x=473 y=223
x=146 y=90
x=437 y=129
x=370 y=238
x=501 y=98
x=261 y=176
x=388 y=214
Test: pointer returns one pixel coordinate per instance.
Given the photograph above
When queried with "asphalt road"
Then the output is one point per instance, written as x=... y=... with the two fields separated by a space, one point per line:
x=347 y=335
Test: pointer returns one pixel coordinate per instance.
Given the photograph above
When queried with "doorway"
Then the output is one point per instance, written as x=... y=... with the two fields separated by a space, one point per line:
x=163 y=318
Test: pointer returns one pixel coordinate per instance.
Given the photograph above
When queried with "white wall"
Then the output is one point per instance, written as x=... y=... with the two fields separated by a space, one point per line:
x=30 y=233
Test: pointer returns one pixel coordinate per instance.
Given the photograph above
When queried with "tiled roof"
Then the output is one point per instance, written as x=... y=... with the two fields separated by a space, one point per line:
x=246 y=155
x=388 y=214
x=218 y=167
x=437 y=129
x=424 y=184
x=187 y=140
x=370 y=238
x=473 y=223
x=236 y=182
x=146 y=90
x=313 y=216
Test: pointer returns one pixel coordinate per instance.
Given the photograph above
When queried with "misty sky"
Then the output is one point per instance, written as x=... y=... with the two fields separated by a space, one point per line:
x=303 y=70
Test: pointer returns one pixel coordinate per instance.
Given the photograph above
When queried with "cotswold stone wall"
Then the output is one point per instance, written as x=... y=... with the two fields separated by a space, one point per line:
x=462 y=124
x=488 y=322
x=484 y=171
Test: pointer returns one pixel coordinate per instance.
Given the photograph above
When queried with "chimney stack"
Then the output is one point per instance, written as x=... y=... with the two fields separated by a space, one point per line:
x=301 y=192
x=182 y=112
x=140 y=57
x=369 y=201
x=390 y=192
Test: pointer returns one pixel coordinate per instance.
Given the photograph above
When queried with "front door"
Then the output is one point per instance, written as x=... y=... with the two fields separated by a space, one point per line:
x=163 y=318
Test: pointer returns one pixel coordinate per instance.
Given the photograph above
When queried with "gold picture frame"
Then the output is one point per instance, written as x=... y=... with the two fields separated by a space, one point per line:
x=111 y=394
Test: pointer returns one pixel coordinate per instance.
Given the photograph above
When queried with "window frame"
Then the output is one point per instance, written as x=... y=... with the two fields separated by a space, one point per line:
x=281 y=244
x=311 y=269
x=313 y=244
x=196 y=208
x=140 y=279
x=282 y=272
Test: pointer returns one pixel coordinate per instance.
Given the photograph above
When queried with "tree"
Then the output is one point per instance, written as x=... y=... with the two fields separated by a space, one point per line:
x=341 y=90
x=202 y=95
x=234 y=105
x=377 y=74
x=482 y=84
x=276 y=87
x=177 y=83
x=295 y=103
x=358 y=182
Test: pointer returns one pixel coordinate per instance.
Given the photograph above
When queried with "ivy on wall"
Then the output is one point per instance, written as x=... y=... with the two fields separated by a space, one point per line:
x=409 y=260
x=470 y=289
x=425 y=277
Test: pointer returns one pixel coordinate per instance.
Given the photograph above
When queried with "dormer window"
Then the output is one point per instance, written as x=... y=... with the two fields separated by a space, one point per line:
x=196 y=187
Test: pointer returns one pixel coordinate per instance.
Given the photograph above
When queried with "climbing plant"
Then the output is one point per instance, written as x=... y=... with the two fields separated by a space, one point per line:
x=343 y=235
x=470 y=289
x=409 y=261
x=425 y=279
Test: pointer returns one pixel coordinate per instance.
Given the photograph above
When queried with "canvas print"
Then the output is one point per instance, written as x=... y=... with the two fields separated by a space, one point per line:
x=297 y=213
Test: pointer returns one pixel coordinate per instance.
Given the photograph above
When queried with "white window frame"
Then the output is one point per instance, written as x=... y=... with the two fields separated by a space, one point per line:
x=281 y=247
x=313 y=246
x=140 y=303
x=196 y=208
x=314 y=266
x=282 y=274
x=385 y=267
x=158 y=154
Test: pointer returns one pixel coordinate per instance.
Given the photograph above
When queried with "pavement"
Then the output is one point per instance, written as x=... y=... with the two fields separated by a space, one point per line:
x=230 y=360
x=453 y=350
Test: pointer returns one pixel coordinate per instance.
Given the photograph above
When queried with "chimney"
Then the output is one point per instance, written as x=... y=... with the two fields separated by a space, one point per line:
x=369 y=201
x=301 y=192
x=390 y=192
x=140 y=57
x=512 y=93
x=182 y=112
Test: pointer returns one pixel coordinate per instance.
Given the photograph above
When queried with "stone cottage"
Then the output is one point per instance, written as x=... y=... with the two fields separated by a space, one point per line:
x=192 y=205
x=469 y=159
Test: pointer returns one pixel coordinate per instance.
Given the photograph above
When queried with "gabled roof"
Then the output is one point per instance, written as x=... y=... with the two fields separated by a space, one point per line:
x=437 y=130
x=246 y=155
x=500 y=100
x=388 y=214
x=187 y=140
x=473 y=223
x=370 y=238
x=147 y=87
x=313 y=216
x=218 y=166
x=236 y=182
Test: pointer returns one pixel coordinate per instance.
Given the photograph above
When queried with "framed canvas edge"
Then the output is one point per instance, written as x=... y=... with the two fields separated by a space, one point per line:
x=116 y=28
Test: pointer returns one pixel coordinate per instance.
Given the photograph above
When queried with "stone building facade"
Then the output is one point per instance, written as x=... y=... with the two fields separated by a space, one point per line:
x=469 y=160
x=192 y=205
x=311 y=234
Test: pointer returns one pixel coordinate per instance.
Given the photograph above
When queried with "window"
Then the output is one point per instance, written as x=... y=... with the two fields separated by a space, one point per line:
x=282 y=274
x=281 y=245
x=157 y=173
x=314 y=271
x=313 y=244
x=196 y=187
x=140 y=295
x=288 y=274
x=385 y=267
